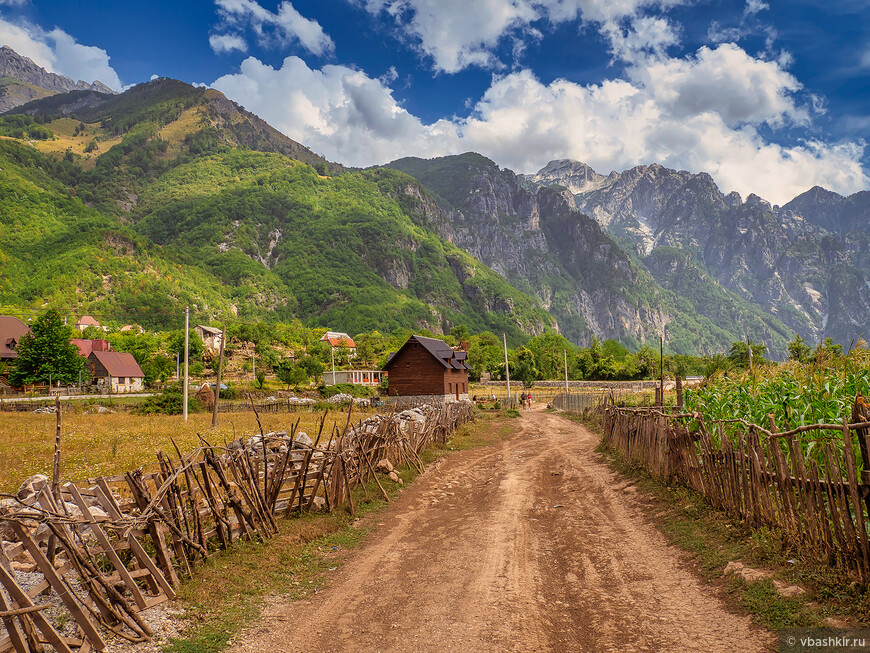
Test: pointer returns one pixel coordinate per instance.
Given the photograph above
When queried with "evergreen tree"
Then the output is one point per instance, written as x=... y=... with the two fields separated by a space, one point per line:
x=798 y=350
x=46 y=353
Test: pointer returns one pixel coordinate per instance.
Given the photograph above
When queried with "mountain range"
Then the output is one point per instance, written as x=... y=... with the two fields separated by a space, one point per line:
x=22 y=80
x=140 y=203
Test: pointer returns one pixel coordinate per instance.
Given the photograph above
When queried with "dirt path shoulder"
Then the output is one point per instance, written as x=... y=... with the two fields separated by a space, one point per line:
x=532 y=544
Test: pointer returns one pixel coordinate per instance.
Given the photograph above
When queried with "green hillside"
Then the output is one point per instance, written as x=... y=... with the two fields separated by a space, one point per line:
x=171 y=208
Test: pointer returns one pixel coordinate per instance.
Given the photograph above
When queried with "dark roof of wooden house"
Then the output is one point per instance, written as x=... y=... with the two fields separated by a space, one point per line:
x=118 y=363
x=11 y=330
x=440 y=350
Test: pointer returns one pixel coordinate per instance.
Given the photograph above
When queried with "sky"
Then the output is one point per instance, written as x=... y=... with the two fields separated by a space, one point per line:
x=768 y=97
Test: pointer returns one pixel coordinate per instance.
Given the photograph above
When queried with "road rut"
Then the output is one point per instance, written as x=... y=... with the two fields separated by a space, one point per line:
x=532 y=544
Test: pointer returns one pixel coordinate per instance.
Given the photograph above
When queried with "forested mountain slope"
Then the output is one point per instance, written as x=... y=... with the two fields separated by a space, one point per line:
x=173 y=204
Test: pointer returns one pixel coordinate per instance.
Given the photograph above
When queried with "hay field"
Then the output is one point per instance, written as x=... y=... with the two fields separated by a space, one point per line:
x=112 y=443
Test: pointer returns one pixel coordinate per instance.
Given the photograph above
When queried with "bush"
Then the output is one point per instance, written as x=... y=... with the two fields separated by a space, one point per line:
x=327 y=391
x=512 y=412
x=168 y=402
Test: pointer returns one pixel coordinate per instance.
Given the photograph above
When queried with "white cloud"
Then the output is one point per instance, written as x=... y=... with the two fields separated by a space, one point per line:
x=754 y=6
x=703 y=113
x=336 y=110
x=645 y=36
x=285 y=26
x=726 y=81
x=457 y=34
x=58 y=52
x=221 y=43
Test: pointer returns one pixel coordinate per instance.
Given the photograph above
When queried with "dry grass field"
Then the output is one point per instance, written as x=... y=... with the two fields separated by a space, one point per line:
x=112 y=443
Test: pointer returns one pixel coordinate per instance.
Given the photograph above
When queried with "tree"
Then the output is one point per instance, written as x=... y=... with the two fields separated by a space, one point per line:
x=46 y=353
x=739 y=354
x=195 y=348
x=523 y=367
x=290 y=373
x=798 y=350
x=312 y=366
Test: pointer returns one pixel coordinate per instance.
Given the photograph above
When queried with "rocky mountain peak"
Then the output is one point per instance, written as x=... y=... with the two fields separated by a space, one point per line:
x=577 y=177
x=759 y=202
x=25 y=69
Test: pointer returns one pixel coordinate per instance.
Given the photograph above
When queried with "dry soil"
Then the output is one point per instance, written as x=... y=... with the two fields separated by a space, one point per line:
x=532 y=544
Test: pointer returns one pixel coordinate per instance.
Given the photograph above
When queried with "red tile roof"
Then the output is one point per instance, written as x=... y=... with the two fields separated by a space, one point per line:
x=118 y=363
x=87 y=321
x=336 y=339
x=87 y=346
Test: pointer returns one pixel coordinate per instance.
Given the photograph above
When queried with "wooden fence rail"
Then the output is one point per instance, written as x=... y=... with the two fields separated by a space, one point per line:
x=761 y=476
x=111 y=547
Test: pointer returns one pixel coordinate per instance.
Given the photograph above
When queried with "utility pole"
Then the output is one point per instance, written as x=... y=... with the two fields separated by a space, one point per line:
x=749 y=349
x=507 y=369
x=332 y=351
x=186 y=355
x=662 y=369
x=217 y=387
x=566 y=373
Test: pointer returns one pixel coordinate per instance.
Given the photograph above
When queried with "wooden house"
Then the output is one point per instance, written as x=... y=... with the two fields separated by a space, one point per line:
x=428 y=369
x=11 y=331
x=116 y=371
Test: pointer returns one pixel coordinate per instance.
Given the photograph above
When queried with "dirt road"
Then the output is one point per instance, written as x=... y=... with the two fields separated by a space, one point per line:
x=532 y=544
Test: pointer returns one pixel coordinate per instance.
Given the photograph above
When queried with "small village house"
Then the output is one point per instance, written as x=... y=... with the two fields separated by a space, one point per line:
x=87 y=321
x=11 y=331
x=336 y=339
x=210 y=337
x=428 y=369
x=116 y=371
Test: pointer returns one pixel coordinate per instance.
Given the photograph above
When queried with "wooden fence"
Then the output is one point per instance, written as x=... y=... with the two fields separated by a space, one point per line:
x=111 y=547
x=763 y=476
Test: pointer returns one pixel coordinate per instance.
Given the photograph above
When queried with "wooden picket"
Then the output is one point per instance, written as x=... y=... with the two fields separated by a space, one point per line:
x=761 y=476
x=195 y=504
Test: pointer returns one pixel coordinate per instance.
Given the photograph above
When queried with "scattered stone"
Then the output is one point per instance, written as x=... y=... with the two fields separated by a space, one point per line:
x=394 y=477
x=384 y=466
x=788 y=591
x=832 y=622
x=303 y=440
x=30 y=488
x=748 y=574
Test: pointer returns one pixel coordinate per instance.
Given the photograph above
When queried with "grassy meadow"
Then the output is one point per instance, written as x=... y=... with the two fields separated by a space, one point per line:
x=112 y=443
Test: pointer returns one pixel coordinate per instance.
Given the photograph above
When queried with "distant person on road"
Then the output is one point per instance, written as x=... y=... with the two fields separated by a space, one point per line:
x=523 y=400
x=529 y=400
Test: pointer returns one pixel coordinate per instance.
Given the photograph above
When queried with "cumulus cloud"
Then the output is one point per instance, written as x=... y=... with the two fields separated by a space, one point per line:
x=336 y=110
x=285 y=26
x=708 y=112
x=457 y=34
x=221 y=43
x=58 y=52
